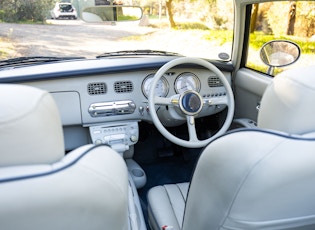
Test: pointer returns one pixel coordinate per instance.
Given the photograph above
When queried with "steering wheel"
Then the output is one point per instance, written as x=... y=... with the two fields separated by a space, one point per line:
x=190 y=103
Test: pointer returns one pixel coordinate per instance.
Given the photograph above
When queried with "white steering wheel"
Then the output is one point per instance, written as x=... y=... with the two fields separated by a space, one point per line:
x=190 y=103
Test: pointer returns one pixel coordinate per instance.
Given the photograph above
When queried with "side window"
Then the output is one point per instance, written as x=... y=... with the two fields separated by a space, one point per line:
x=284 y=20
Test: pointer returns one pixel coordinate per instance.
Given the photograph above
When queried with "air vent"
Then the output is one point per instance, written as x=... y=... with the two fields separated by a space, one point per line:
x=214 y=81
x=97 y=88
x=123 y=87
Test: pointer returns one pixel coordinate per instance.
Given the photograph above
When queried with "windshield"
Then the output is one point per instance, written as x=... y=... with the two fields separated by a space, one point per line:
x=202 y=28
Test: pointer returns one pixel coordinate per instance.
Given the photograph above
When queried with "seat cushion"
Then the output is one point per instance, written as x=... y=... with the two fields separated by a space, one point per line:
x=167 y=205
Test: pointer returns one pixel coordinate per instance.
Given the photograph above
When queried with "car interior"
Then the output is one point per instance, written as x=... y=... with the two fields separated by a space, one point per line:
x=159 y=142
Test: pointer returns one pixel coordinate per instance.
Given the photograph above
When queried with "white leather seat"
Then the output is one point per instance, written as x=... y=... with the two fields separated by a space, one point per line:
x=40 y=187
x=168 y=205
x=254 y=179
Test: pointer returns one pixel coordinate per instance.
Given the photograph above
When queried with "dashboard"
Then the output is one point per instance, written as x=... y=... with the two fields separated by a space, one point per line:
x=95 y=92
x=124 y=96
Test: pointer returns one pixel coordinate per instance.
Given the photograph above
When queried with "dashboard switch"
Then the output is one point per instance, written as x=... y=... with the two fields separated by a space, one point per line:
x=133 y=138
x=141 y=110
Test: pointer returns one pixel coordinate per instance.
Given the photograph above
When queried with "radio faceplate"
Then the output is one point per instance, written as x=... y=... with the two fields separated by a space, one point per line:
x=117 y=133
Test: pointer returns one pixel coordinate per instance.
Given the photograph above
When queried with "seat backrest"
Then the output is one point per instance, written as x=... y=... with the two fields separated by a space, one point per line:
x=253 y=179
x=43 y=189
x=263 y=178
x=288 y=102
x=30 y=127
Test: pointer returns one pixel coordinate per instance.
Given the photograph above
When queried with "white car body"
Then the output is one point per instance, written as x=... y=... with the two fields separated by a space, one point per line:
x=64 y=10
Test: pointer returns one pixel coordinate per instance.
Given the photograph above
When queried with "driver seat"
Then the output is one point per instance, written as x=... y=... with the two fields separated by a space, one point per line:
x=40 y=186
x=252 y=178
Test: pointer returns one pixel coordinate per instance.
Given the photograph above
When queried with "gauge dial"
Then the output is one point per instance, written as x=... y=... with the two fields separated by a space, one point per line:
x=187 y=81
x=161 y=88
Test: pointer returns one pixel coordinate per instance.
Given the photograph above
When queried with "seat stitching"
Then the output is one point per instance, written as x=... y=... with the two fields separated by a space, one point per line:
x=169 y=198
x=47 y=173
x=154 y=219
x=181 y=192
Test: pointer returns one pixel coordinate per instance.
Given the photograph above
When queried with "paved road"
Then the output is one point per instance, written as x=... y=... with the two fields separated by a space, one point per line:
x=70 y=37
x=77 y=38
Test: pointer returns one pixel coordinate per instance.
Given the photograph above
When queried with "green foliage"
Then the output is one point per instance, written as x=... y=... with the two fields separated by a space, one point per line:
x=262 y=68
x=126 y=18
x=25 y=10
x=179 y=25
x=221 y=36
x=2 y=13
x=3 y=53
x=254 y=66
x=159 y=25
x=191 y=26
x=6 y=48
x=257 y=40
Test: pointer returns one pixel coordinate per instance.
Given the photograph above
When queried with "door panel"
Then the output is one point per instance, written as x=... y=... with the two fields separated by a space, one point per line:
x=249 y=87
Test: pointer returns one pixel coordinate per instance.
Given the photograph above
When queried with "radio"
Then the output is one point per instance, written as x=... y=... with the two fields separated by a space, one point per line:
x=117 y=133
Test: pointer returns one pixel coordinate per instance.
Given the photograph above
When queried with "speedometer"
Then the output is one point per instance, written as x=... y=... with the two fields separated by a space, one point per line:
x=161 y=88
x=187 y=81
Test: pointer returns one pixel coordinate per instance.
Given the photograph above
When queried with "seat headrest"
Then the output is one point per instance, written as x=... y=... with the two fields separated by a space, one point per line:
x=30 y=127
x=288 y=102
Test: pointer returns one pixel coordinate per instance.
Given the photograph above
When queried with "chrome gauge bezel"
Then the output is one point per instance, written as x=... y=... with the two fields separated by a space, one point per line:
x=162 y=80
x=183 y=77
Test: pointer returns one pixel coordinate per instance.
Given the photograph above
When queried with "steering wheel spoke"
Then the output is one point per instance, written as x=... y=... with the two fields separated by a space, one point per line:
x=192 y=128
x=162 y=100
x=223 y=100
x=174 y=100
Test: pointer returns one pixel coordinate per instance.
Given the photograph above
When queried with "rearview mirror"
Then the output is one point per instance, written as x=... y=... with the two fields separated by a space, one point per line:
x=279 y=53
x=112 y=13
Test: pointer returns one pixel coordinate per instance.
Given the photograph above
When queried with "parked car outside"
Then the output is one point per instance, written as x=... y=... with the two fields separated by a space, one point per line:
x=64 y=10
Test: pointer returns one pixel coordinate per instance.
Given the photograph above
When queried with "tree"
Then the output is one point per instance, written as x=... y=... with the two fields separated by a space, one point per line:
x=291 y=18
x=254 y=18
x=9 y=10
x=202 y=3
x=305 y=19
x=170 y=13
x=23 y=10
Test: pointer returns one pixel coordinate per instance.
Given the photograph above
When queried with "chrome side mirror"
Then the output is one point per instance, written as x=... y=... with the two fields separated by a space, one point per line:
x=279 y=53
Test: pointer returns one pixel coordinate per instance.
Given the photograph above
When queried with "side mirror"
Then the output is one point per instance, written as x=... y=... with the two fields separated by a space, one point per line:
x=111 y=13
x=279 y=53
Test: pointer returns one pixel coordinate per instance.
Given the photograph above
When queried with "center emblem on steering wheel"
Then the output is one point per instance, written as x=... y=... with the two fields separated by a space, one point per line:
x=190 y=102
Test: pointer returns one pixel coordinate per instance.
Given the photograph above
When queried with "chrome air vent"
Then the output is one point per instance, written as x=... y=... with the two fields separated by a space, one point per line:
x=97 y=88
x=214 y=81
x=112 y=108
x=123 y=87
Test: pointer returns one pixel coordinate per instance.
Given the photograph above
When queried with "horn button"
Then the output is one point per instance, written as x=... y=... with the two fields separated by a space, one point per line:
x=190 y=102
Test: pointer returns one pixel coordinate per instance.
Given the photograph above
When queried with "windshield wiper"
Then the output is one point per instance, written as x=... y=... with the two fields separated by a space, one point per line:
x=33 y=60
x=138 y=52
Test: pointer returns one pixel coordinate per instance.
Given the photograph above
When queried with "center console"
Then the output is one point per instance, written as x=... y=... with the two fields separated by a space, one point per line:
x=121 y=136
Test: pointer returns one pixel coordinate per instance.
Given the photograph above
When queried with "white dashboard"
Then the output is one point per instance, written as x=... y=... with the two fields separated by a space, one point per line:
x=112 y=97
x=102 y=92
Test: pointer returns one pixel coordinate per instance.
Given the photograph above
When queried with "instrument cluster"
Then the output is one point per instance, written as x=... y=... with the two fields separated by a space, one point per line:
x=185 y=81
